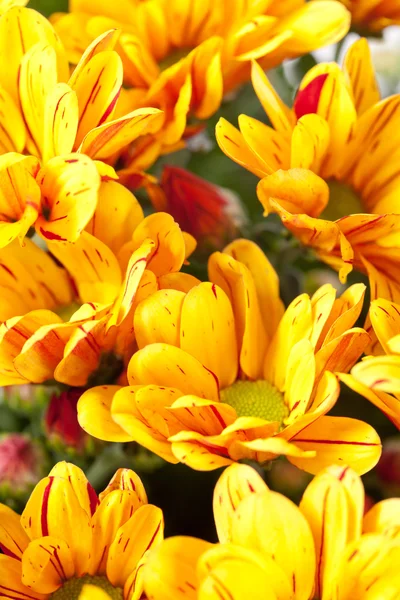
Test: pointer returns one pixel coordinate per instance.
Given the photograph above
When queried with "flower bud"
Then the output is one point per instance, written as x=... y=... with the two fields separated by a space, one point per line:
x=61 y=420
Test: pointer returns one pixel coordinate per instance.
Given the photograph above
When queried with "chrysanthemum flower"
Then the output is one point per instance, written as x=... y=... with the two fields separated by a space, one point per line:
x=67 y=538
x=368 y=16
x=270 y=548
x=377 y=378
x=182 y=56
x=330 y=166
x=45 y=112
x=223 y=373
x=66 y=312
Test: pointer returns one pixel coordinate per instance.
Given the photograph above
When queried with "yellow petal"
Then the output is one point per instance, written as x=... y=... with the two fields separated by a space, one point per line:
x=11 y=581
x=260 y=139
x=344 y=313
x=164 y=365
x=126 y=480
x=310 y=142
x=116 y=217
x=383 y=517
x=207 y=331
x=299 y=378
x=380 y=373
x=137 y=264
x=46 y=564
x=106 y=139
x=170 y=572
x=296 y=190
x=105 y=41
x=19 y=196
x=97 y=86
x=42 y=517
x=13 y=132
x=338 y=440
x=326 y=508
x=265 y=279
x=114 y=511
x=294 y=326
x=205 y=416
x=233 y=144
x=13 y=539
x=94 y=414
x=93 y=267
x=385 y=319
x=69 y=187
x=157 y=319
x=358 y=65
x=238 y=578
x=170 y=250
x=236 y=483
x=265 y=449
x=142 y=412
x=238 y=284
x=142 y=532
x=281 y=117
x=37 y=80
x=60 y=121
x=341 y=353
x=200 y=453
x=85 y=493
x=385 y=402
x=272 y=525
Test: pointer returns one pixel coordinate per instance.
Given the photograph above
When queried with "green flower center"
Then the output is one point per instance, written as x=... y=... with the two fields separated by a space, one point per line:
x=343 y=201
x=256 y=399
x=73 y=587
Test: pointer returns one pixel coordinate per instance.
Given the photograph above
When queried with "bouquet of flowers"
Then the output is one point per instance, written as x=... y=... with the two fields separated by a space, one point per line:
x=200 y=300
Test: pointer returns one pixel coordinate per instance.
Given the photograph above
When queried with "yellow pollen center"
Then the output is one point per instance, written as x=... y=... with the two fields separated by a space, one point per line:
x=73 y=587
x=343 y=201
x=256 y=399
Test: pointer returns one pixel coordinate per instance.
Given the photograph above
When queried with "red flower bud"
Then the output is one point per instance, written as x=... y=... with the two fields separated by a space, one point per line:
x=201 y=208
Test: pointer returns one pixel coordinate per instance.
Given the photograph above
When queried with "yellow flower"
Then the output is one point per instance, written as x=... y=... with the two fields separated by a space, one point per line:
x=45 y=111
x=271 y=549
x=63 y=314
x=181 y=55
x=223 y=373
x=377 y=378
x=330 y=166
x=69 y=541
x=372 y=16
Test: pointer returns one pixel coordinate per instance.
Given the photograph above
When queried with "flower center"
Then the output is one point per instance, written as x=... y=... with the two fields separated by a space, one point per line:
x=73 y=587
x=343 y=201
x=256 y=399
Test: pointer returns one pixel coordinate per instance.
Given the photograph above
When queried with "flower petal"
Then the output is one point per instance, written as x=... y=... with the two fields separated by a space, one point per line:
x=380 y=373
x=310 y=143
x=13 y=539
x=233 y=144
x=97 y=86
x=60 y=121
x=157 y=318
x=359 y=68
x=11 y=581
x=69 y=187
x=85 y=493
x=93 y=267
x=236 y=483
x=338 y=440
x=46 y=564
x=383 y=517
x=142 y=412
x=103 y=141
x=170 y=571
x=94 y=414
x=265 y=279
x=272 y=525
x=143 y=531
x=54 y=510
x=207 y=331
x=164 y=365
